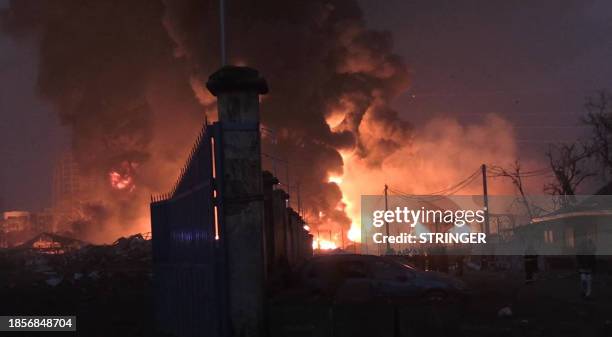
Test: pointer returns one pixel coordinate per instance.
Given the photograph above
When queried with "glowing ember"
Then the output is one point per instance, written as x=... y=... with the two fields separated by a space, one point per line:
x=123 y=178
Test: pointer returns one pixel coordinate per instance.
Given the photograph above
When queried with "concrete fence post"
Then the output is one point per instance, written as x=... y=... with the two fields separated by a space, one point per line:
x=237 y=90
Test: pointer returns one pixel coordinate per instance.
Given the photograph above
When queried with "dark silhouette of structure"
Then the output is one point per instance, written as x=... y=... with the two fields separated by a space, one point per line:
x=217 y=236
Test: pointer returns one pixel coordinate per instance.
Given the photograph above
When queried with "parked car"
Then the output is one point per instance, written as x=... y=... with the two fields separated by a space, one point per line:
x=352 y=277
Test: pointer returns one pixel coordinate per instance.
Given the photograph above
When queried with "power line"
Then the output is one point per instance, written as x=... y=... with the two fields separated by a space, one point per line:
x=500 y=172
x=441 y=193
x=470 y=177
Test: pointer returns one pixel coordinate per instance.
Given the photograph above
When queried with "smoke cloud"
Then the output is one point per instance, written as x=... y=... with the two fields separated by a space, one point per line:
x=442 y=153
x=128 y=78
x=108 y=69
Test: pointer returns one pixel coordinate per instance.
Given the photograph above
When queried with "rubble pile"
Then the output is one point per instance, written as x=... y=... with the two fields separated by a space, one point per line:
x=127 y=261
x=57 y=276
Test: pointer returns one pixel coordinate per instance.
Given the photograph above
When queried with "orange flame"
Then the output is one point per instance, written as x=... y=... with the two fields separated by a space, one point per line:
x=123 y=178
x=323 y=244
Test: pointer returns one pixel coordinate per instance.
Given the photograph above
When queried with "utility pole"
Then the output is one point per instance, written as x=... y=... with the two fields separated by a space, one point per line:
x=299 y=202
x=365 y=241
x=222 y=32
x=386 y=223
x=485 y=196
x=288 y=181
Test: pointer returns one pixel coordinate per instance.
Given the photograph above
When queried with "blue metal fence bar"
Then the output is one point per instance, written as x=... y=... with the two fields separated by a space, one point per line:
x=189 y=274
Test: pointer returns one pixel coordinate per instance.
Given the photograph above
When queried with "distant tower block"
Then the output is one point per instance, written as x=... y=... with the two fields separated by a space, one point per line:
x=68 y=189
x=237 y=90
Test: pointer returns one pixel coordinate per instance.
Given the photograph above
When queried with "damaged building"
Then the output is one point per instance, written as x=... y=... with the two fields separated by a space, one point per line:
x=19 y=226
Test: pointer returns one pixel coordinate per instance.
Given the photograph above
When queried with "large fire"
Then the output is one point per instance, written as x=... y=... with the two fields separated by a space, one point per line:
x=353 y=233
x=335 y=240
x=365 y=73
x=442 y=152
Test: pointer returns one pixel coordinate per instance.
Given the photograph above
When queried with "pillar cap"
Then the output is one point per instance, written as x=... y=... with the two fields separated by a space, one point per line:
x=234 y=78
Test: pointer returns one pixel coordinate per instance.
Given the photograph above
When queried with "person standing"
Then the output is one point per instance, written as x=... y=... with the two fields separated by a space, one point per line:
x=531 y=264
x=585 y=260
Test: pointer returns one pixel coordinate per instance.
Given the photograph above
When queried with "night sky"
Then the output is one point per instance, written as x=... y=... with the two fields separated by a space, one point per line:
x=533 y=64
x=30 y=133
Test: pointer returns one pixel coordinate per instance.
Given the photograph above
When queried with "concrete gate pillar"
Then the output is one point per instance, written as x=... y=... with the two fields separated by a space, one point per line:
x=237 y=90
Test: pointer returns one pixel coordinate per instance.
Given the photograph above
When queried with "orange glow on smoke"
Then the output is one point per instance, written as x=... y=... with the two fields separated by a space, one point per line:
x=335 y=118
x=438 y=154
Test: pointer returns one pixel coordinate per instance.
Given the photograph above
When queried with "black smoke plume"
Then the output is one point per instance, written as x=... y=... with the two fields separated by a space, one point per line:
x=127 y=78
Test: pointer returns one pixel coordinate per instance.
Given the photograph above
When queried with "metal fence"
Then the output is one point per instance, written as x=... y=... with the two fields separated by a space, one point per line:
x=188 y=258
x=189 y=246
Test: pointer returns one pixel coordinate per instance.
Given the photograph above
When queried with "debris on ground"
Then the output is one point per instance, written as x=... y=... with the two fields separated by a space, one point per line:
x=52 y=259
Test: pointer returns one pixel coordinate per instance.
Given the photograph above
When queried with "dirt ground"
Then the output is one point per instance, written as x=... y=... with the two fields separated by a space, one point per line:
x=551 y=306
x=103 y=307
x=122 y=305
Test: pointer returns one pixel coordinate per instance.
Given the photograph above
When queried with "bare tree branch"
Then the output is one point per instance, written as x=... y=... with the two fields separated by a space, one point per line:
x=567 y=162
x=599 y=118
x=515 y=175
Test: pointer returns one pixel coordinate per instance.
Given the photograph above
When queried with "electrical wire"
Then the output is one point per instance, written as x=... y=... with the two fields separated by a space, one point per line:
x=500 y=172
x=453 y=187
x=438 y=194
